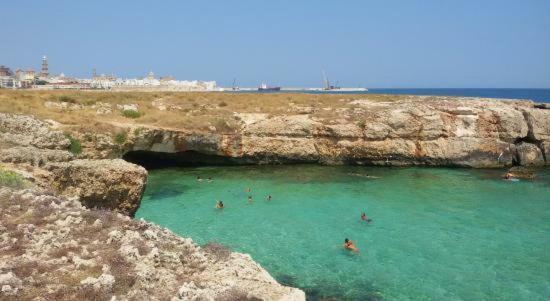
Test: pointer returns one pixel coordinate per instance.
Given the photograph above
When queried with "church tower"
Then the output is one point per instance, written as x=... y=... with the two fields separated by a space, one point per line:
x=44 y=73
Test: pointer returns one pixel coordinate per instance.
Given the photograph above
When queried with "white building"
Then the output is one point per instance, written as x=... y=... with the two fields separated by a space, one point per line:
x=150 y=83
x=9 y=82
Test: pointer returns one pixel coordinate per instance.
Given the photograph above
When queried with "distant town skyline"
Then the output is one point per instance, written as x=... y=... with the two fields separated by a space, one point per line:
x=368 y=43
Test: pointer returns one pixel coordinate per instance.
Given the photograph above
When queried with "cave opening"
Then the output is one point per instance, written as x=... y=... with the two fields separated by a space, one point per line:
x=156 y=160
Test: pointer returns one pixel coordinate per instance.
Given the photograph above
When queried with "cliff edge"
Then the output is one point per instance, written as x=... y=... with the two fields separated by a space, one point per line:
x=66 y=234
x=432 y=131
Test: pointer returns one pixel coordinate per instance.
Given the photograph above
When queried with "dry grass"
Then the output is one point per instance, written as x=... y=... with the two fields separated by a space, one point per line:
x=189 y=110
x=217 y=251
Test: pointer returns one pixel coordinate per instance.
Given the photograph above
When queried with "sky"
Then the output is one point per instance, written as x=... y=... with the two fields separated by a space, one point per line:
x=374 y=44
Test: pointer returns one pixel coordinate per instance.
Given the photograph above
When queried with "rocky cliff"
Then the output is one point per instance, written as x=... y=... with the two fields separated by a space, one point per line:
x=54 y=248
x=65 y=238
x=435 y=131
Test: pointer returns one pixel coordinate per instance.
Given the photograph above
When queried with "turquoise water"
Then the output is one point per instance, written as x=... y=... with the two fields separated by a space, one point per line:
x=437 y=234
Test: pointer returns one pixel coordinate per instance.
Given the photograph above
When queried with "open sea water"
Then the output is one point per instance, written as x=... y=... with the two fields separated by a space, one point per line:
x=436 y=234
x=537 y=95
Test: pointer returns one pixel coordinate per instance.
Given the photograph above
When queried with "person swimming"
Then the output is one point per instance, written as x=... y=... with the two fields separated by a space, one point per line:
x=365 y=218
x=250 y=199
x=210 y=179
x=219 y=205
x=349 y=245
x=269 y=197
x=199 y=179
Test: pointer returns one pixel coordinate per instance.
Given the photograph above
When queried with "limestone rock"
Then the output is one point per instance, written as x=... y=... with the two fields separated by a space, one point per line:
x=539 y=123
x=529 y=155
x=20 y=130
x=103 y=282
x=10 y=284
x=521 y=172
x=33 y=156
x=112 y=184
x=62 y=105
x=418 y=130
x=102 y=108
x=125 y=259
x=128 y=107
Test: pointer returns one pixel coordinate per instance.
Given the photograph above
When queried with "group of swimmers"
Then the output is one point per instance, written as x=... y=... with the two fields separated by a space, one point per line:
x=348 y=244
x=220 y=205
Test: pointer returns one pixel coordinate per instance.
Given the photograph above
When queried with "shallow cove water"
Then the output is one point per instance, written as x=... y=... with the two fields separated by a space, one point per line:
x=436 y=234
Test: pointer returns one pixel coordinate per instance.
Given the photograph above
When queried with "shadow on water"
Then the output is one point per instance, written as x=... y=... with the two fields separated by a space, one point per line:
x=325 y=291
x=165 y=194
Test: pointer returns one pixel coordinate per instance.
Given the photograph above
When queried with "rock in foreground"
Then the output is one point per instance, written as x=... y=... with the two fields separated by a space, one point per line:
x=109 y=184
x=55 y=249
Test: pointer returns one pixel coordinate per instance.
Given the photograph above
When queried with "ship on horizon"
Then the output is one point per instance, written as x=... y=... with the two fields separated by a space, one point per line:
x=264 y=87
x=328 y=87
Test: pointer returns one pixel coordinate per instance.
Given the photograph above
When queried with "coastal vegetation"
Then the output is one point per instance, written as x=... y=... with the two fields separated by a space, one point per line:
x=120 y=137
x=75 y=146
x=12 y=179
x=197 y=111
x=131 y=114
x=65 y=98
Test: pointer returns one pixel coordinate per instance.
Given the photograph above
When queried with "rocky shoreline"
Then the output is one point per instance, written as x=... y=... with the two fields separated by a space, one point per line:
x=68 y=234
x=54 y=248
x=431 y=131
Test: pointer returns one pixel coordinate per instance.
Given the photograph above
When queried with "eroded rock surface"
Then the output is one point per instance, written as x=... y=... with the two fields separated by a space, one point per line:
x=109 y=184
x=24 y=139
x=54 y=248
x=437 y=131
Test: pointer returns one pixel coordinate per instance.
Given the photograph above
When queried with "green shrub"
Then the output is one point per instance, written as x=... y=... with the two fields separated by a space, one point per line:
x=131 y=114
x=12 y=179
x=138 y=131
x=362 y=124
x=120 y=138
x=75 y=147
x=65 y=98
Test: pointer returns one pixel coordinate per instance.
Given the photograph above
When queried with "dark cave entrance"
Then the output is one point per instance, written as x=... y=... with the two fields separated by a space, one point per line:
x=155 y=160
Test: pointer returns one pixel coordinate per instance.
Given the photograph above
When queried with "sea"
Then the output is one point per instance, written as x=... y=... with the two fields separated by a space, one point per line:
x=435 y=233
x=537 y=95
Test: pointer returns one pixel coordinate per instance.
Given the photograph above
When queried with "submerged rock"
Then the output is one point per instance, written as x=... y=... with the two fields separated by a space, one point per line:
x=520 y=172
